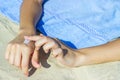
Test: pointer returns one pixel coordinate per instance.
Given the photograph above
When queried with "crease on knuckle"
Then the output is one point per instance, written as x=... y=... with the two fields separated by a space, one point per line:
x=26 y=49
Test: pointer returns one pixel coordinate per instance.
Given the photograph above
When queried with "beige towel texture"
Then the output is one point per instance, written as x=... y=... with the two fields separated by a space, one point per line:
x=51 y=70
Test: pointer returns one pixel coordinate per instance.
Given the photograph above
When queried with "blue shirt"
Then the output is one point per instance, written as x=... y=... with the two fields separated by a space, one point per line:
x=80 y=23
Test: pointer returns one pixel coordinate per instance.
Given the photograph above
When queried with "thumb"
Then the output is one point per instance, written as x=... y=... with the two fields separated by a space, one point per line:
x=35 y=59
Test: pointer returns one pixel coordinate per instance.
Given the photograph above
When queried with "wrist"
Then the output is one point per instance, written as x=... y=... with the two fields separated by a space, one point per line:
x=28 y=31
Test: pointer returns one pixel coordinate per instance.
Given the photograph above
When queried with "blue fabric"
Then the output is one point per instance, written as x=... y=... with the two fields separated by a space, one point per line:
x=77 y=23
x=11 y=8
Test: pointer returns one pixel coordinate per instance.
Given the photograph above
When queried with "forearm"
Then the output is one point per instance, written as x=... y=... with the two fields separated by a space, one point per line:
x=101 y=54
x=29 y=15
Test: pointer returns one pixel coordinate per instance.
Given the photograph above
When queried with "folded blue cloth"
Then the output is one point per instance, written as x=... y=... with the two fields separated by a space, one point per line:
x=11 y=8
x=77 y=23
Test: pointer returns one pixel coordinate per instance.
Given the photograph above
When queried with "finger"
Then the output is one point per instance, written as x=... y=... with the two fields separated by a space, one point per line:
x=18 y=56
x=32 y=38
x=50 y=45
x=35 y=59
x=7 y=53
x=25 y=63
x=41 y=35
x=12 y=54
x=40 y=42
x=57 y=52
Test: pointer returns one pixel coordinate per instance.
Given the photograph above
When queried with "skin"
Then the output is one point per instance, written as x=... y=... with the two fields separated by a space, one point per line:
x=75 y=58
x=20 y=54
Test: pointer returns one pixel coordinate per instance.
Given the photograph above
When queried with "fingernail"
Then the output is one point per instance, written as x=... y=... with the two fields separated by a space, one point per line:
x=46 y=51
x=38 y=65
x=41 y=35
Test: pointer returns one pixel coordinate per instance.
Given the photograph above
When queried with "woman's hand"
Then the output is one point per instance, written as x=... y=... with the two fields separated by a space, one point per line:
x=63 y=54
x=18 y=53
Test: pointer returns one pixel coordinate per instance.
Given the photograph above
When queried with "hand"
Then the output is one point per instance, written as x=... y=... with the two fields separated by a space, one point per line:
x=18 y=53
x=62 y=53
x=48 y=44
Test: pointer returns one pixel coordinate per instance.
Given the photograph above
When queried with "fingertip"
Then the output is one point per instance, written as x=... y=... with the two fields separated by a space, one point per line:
x=35 y=64
x=25 y=71
x=46 y=51
x=41 y=35
x=6 y=57
x=26 y=74
x=11 y=62
x=17 y=65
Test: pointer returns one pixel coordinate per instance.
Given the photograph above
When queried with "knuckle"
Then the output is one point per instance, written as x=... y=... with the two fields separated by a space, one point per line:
x=50 y=40
x=17 y=45
x=7 y=48
x=36 y=44
x=9 y=44
x=24 y=47
x=44 y=47
x=60 y=50
x=57 y=51
x=27 y=50
x=37 y=47
x=13 y=45
x=45 y=38
x=54 y=44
